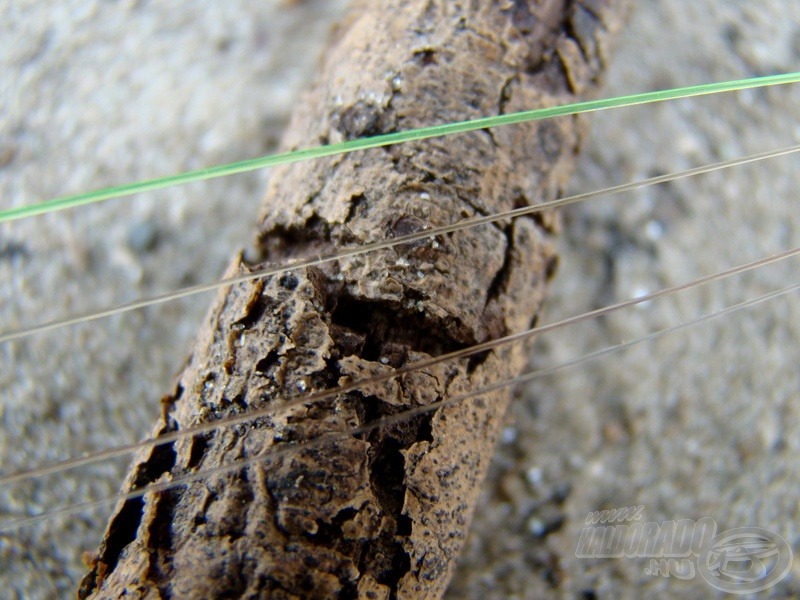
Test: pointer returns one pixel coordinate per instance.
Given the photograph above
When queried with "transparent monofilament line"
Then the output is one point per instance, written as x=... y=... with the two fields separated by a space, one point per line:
x=443 y=130
x=327 y=394
x=405 y=239
x=355 y=251
x=383 y=422
x=607 y=160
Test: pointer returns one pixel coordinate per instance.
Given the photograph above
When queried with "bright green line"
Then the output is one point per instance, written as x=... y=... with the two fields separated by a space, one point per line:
x=388 y=139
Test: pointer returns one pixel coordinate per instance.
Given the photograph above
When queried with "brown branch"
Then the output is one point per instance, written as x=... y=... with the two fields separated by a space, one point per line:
x=385 y=514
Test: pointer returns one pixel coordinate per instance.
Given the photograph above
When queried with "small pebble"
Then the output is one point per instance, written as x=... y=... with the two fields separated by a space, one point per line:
x=142 y=237
x=536 y=526
x=561 y=491
x=641 y=292
x=654 y=230
x=534 y=476
x=509 y=435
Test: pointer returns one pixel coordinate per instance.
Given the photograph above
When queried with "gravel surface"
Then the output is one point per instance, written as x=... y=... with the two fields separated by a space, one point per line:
x=702 y=422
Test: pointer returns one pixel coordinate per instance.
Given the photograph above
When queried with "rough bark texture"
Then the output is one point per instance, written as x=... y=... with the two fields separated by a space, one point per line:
x=384 y=514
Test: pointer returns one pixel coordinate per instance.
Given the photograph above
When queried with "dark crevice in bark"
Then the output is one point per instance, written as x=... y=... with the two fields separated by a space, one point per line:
x=363 y=119
x=288 y=281
x=200 y=444
x=425 y=57
x=476 y=360
x=123 y=528
x=264 y=365
x=161 y=540
x=387 y=473
x=386 y=329
x=387 y=557
x=121 y=532
x=543 y=23
x=470 y=201
x=533 y=322
x=505 y=95
x=500 y=281
x=330 y=534
x=407 y=225
x=243 y=496
x=283 y=243
x=542 y=222
x=161 y=461
x=356 y=203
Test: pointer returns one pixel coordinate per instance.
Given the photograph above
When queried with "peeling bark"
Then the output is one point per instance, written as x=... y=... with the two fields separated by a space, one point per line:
x=383 y=514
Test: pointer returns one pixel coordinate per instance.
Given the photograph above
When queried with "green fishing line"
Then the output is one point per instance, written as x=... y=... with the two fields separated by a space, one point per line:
x=422 y=133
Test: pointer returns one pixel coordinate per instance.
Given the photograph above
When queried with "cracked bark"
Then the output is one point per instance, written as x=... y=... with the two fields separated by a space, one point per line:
x=384 y=514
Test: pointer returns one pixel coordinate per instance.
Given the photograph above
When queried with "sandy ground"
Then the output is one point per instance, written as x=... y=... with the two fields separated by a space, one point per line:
x=703 y=422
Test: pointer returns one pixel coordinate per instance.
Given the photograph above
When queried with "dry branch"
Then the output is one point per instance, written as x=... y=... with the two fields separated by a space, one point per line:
x=383 y=514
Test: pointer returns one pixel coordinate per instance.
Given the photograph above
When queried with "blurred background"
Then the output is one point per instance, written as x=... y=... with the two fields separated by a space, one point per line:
x=703 y=422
